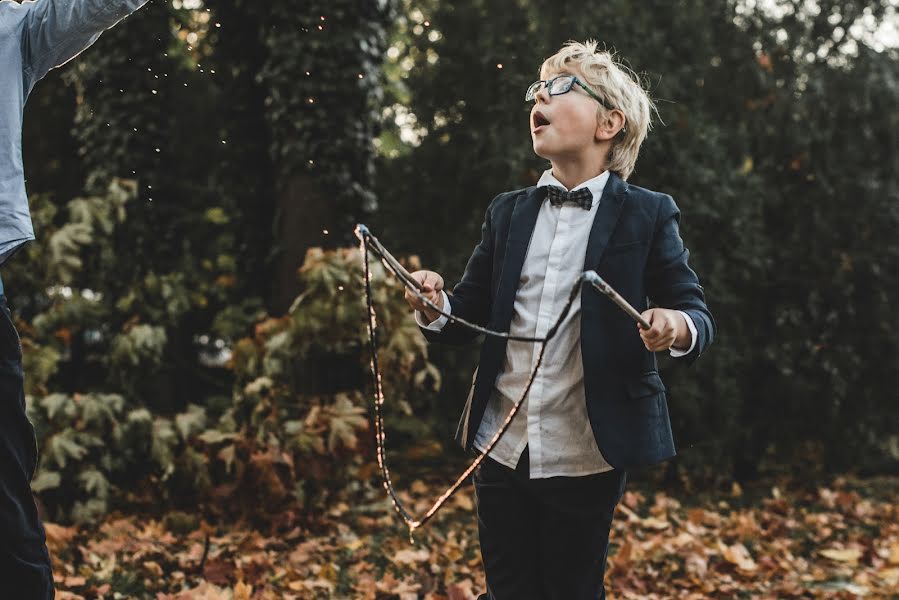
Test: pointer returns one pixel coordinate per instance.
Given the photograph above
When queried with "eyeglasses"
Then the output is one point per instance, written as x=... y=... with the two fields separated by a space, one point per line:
x=561 y=84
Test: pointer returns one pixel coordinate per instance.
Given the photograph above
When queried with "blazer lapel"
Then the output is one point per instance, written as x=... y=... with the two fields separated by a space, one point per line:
x=521 y=228
x=613 y=196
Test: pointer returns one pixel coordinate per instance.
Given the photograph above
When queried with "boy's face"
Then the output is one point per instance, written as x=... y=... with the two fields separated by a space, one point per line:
x=572 y=120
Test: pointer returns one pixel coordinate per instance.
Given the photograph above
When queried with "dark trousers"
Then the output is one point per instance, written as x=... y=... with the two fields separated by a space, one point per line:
x=24 y=562
x=544 y=539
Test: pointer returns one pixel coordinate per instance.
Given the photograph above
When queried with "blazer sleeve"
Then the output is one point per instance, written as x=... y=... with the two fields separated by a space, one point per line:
x=471 y=297
x=56 y=31
x=671 y=283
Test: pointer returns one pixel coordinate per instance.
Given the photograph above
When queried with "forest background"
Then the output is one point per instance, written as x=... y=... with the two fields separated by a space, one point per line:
x=192 y=314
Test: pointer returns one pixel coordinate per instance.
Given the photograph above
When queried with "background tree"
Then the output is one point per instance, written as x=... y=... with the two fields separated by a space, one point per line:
x=191 y=311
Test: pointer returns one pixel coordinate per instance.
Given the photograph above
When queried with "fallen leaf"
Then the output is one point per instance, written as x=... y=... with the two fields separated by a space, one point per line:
x=738 y=555
x=464 y=501
x=461 y=591
x=850 y=555
x=894 y=554
x=408 y=557
x=243 y=591
x=655 y=523
x=58 y=536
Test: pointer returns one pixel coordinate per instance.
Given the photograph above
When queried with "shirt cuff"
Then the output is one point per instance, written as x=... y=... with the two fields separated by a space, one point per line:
x=692 y=327
x=440 y=321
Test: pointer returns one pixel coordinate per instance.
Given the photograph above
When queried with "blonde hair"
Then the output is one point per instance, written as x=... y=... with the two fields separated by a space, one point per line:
x=620 y=87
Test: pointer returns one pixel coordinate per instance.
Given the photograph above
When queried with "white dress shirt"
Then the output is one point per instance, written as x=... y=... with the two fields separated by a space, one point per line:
x=552 y=420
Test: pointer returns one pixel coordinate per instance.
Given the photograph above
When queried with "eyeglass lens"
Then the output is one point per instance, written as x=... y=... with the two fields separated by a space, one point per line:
x=559 y=85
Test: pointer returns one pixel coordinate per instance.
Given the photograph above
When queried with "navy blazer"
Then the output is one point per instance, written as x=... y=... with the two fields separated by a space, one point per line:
x=635 y=245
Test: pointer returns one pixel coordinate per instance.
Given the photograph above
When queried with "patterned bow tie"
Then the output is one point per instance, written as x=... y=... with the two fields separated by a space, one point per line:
x=582 y=197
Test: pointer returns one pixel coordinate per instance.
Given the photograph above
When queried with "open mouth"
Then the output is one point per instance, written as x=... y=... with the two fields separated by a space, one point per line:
x=540 y=120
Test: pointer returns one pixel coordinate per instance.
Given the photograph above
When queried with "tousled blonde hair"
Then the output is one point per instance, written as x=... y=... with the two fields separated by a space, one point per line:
x=620 y=87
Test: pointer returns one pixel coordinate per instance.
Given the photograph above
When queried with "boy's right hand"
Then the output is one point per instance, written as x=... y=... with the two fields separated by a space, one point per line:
x=432 y=284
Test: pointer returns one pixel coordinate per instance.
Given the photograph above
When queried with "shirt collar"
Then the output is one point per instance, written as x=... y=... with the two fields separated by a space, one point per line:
x=595 y=185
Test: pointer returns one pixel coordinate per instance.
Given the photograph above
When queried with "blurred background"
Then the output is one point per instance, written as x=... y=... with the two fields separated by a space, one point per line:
x=192 y=313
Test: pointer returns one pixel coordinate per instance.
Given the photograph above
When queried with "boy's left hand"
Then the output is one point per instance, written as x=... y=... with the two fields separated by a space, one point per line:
x=667 y=327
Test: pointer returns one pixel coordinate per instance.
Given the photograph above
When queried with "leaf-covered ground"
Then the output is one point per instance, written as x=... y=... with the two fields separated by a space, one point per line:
x=835 y=540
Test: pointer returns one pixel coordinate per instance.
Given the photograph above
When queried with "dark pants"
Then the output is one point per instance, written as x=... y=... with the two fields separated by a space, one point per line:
x=544 y=539
x=24 y=562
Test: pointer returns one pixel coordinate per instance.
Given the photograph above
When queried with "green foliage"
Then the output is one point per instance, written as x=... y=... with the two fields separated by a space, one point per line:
x=94 y=449
x=291 y=431
x=78 y=435
x=300 y=378
x=141 y=346
x=141 y=288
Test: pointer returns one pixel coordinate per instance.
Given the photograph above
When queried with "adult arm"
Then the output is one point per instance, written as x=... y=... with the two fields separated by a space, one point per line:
x=56 y=31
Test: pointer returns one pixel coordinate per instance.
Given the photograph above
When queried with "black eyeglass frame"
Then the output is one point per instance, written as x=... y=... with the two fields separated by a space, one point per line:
x=535 y=87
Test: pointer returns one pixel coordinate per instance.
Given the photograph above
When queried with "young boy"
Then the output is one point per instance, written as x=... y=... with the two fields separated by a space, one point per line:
x=34 y=38
x=547 y=492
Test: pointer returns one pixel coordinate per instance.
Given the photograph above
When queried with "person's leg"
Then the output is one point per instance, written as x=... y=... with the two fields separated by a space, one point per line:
x=506 y=518
x=575 y=520
x=24 y=562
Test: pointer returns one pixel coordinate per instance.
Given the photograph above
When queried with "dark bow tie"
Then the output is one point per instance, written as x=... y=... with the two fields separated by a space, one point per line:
x=582 y=197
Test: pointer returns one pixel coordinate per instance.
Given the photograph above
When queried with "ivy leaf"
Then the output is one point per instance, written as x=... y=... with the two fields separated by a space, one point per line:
x=55 y=404
x=164 y=439
x=191 y=421
x=94 y=482
x=61 y=447
x=45 y=480
x=345 y=418
x=98 y=409
x=227 y=455
x=214 y=436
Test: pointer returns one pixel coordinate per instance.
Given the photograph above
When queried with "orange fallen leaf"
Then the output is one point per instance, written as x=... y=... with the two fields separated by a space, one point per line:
x=464 y=501
x=58 y=537
x=243 y=591
x=894 y=554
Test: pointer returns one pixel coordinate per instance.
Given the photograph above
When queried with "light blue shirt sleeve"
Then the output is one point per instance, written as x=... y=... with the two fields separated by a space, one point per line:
x=440 y=321
x=56 y=31
x=692 y=327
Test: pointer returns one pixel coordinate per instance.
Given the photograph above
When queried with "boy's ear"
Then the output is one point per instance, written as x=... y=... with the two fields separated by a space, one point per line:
x=608 y=126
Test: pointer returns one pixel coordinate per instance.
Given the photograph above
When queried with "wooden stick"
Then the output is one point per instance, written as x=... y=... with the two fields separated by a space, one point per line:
x=599 y=283
x=362 y=230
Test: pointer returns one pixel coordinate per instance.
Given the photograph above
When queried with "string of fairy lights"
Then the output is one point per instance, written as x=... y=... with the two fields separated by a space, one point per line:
x=369 y=242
